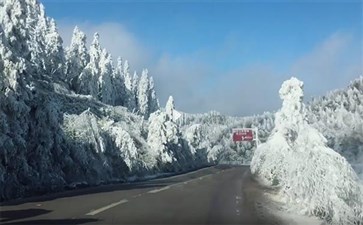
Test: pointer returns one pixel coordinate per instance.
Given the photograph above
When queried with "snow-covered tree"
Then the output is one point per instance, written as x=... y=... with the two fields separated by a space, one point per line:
x=33 y=37
x=119 y=84
x=166 y=143
x=128 y=78
x=76 y=57
x=313 y=179
x=339 y=116
x=146 y=98
x=88 y=79
x=153 y=100
x=195 y=137
x=105 y=85
x=54 y=58
x=130 y=102
x=142 y=94
x=169 y=108
x=134 y=92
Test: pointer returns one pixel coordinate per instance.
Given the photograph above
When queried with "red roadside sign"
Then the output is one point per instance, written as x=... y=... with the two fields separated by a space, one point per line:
x=242 y=135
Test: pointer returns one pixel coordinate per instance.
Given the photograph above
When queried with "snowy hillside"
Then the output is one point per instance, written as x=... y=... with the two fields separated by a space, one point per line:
x=312 y=178
x=70 y=117
x=339 y=116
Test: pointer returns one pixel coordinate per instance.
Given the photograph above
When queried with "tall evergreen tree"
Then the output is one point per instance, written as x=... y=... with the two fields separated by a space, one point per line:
x=169 y=108
x=77 y=57
x=134 y=94
x=142 y=94
x=105 y=85
x=146 y=97
x=54 y=53
x=129 y=89
x=32 y=36
x=88 y=79
x=119 y=84
x=153 y=101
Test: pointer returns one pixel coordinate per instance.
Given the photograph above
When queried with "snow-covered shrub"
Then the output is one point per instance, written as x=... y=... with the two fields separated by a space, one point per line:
x=84 y=127
x=125 y=143
x=168 y=148
x=312 y=178
x=163 y=133
x=195 y=137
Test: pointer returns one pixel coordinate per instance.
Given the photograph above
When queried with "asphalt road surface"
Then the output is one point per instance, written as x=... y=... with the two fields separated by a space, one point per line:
x=214 y=195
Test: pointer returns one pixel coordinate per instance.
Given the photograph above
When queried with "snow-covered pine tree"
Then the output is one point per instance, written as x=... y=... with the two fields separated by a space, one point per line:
x=142 y=94
x=31 y=36
x=134 y=94
x=129 y=89
x=153 y=100
x=169 y=108
x=77 y=57
x=54 y=53
x=88 y=79
x=119 y=84
x=146 y=96
x=126 y=73
x=105 y=85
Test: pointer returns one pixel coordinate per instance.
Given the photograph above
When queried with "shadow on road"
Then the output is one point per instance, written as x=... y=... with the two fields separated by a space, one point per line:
x=11 y=215
x=54 y=221
x=83 y=191
x=153 y=183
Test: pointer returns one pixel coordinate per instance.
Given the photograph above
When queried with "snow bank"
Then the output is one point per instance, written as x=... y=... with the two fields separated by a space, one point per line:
x=313 y=179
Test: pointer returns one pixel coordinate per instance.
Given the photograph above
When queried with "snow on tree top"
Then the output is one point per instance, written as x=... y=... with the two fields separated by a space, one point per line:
x=292 y=90
x=169 y=108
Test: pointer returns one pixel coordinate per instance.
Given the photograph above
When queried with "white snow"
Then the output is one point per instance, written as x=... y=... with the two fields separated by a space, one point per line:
x=313 y=179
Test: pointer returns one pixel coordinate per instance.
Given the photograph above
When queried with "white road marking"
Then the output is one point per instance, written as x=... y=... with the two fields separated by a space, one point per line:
x=138 y=195
x=94 y=212
x=158 y=190
x=183 y=174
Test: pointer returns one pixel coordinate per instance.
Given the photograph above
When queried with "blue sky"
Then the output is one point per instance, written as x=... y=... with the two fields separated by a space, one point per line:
x=230 y=56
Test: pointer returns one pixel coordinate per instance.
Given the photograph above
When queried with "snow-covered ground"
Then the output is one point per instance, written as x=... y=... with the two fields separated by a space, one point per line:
x=274 y=205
